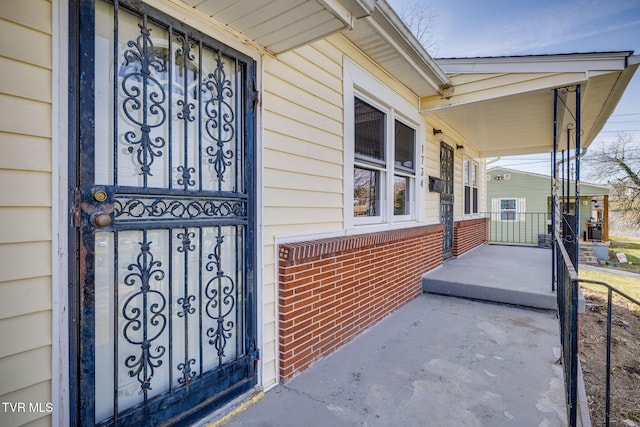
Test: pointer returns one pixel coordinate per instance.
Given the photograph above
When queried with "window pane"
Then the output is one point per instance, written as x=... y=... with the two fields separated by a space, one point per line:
x=405 y=146
x=366 y=190
x=508 y=204
x=467 y=199
x=401 y=200
x=369 y=131
x=465 y=171
x=474 y=175
x=475 y=200
x=508 y=216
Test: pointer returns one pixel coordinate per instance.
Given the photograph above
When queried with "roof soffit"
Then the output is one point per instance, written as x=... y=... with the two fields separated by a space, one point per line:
x=371 y=25
x=282 y=25
x=508 y=110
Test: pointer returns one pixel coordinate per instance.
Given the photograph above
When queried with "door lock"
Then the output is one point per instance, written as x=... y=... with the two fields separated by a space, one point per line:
x=100 y=219
x=100 y=196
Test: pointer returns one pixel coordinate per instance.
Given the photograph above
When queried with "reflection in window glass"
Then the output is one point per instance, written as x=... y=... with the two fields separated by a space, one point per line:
x=366 y=190
x=508 y=209
x=369 y=131
x=404 y=146
x=401 y=200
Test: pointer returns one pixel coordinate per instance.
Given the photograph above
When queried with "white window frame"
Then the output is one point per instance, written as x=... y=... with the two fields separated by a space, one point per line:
x=470 y=179
x=519 y=213
x=360 y=84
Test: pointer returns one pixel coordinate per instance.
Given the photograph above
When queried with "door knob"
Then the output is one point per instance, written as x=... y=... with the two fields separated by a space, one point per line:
x=100 y=219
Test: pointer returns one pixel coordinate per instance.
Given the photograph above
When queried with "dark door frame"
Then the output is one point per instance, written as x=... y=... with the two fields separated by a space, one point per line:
x=80 y=263
x=447 y=197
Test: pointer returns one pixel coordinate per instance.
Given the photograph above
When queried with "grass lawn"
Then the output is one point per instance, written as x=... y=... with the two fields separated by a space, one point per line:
x=628 y=285
x=630 y=247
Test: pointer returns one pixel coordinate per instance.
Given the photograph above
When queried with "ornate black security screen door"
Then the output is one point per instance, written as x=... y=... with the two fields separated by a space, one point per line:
x=446 y=198
x=165 y=218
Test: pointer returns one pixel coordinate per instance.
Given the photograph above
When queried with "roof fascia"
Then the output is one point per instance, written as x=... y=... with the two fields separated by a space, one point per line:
x=543 y=176
x=572 y=62
x=395 y=32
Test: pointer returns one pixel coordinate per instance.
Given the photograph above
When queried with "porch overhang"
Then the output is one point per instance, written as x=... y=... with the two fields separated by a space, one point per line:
x=371 y=25
x=279 y=26
x=504 y=105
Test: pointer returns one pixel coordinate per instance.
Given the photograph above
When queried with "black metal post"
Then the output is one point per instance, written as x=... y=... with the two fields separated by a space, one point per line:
x=554 y=170
x=577 y=181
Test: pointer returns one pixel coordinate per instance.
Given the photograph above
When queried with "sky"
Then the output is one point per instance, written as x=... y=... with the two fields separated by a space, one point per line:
x=467 y=28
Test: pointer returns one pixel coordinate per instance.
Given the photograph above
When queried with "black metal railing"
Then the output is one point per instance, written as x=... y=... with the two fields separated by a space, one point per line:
x=568 y=285
x=521 y=229
x=567 y=295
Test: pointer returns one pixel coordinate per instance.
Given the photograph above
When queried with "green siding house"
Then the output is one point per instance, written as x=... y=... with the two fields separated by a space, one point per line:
x=519 y=205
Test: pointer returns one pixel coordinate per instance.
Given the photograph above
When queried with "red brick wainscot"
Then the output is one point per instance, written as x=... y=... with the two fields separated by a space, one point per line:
x=330 y=290
x=468 y=234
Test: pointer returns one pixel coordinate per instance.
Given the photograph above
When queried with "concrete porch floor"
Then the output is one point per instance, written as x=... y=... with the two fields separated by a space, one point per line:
x=508 y=274
x=437 y=361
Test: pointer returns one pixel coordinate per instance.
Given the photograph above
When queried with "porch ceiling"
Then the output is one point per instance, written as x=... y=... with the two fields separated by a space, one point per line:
x=504 y=106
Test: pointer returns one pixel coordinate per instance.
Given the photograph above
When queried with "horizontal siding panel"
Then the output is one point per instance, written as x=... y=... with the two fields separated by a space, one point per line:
x=280 y=71
x=26 y=296
x=37 y=393
x=25 y=225
x=323 y=149
x=14 y=339
x=25 y=80
x=308 y=68
x=328 y=50
x=292 y=112
x=23 y=152
x=25 y=188
x=304 y=199
x=35 y=14
x=282 y=230
x=311 y=217
x=25 y=369
x=306 y=100
x=320 y=60
x=45 y=421
x=292 y=163
x=25 y=116
x=284 y=179
x=283 y=125
x=25 y=261
x=27 y=45
x=356 y=56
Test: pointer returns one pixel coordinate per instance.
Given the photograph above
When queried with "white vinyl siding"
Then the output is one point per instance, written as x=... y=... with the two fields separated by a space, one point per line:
x=25 y=207
x=301 y=163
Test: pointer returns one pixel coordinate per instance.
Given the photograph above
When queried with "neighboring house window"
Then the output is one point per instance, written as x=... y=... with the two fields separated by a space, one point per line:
x=508 y=209
x=384 y=167
x=470 y=179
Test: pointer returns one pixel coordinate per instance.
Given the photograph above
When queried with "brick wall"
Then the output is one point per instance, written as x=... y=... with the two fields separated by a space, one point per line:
x=330 y=290
x=468 y=234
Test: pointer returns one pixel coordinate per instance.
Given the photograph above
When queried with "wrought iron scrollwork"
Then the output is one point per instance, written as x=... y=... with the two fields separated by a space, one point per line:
x=144 y=315
x=143 y=95
x=220 y=292
x=220 y=118
x=184 y=209
x=185 y=109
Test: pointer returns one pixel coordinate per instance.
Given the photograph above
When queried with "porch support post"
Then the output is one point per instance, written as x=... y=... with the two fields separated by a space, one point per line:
x=554 y=189
x=577 y=180
x=605 y=219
